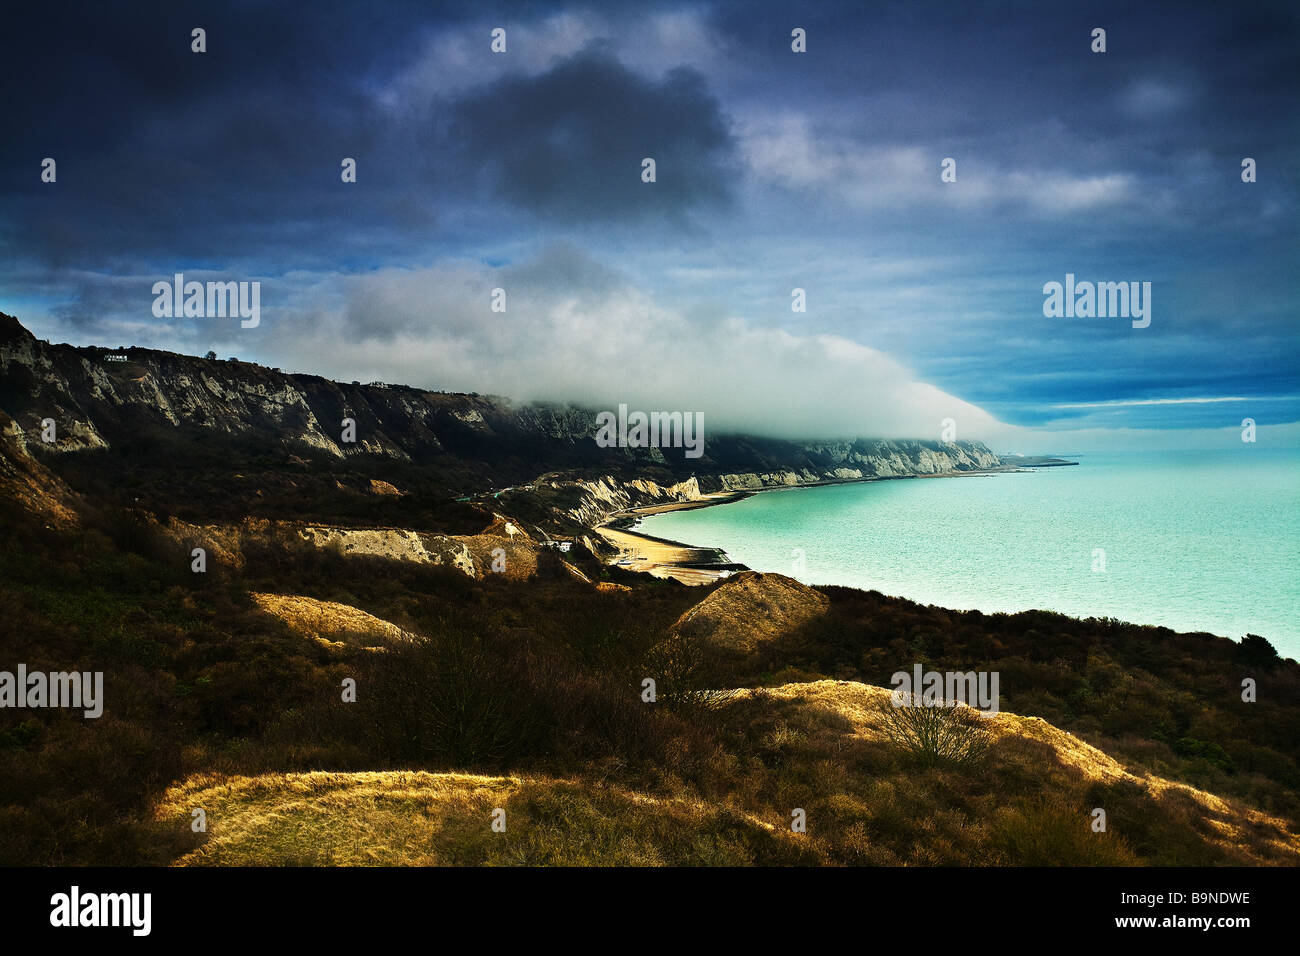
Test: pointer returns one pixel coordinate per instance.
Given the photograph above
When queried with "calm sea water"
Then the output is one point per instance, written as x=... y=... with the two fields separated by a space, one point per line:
x=1204 y=541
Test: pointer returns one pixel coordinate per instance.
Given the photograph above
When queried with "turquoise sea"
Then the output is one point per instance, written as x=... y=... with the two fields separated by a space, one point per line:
x=1195 y=541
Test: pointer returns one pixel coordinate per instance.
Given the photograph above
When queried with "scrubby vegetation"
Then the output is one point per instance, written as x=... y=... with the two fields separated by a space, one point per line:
x=527 y=696
x=1168 y=702
x=936 y=734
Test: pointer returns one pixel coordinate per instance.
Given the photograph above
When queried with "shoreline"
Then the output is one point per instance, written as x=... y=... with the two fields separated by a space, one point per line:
x=694 y=564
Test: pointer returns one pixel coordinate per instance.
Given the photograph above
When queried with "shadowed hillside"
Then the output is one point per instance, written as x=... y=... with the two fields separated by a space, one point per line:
x=222 y=688
x=494 y=671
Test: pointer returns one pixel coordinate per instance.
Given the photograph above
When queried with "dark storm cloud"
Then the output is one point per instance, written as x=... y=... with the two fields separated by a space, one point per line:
x=233 y=156
x=775 y=170
x=164 y=154
x=570 y=143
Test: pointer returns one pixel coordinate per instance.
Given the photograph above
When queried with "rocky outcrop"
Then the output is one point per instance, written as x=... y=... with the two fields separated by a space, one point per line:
x=513 y=556
x=28 y=482
x=510 y=555
x=599 y=499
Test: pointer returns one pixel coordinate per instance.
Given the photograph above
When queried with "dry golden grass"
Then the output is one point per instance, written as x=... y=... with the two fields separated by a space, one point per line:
x=751 y=609
x=850 y=710
x=224 y=543
x=350 y=819
x=820 y=745
x=519 y=560
x=431 y=819
x=329 y=622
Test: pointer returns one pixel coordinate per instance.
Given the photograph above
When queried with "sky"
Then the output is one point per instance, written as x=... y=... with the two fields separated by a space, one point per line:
x=775 y=170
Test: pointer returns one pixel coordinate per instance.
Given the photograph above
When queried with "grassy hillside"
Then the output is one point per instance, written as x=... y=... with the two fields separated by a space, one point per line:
x=822 y=748
x=210 y=685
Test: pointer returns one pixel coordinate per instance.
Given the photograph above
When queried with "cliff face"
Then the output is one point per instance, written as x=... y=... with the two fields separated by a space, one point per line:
x=599 y=499
x=28 y=483
x=143 y=404
x=93 y=397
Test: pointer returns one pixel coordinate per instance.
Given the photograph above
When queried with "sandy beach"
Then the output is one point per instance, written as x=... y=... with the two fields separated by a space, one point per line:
x=668 y=559
x=691 y=565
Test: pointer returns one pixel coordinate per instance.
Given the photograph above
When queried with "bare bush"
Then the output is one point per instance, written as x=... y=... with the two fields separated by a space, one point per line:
x=942 y=733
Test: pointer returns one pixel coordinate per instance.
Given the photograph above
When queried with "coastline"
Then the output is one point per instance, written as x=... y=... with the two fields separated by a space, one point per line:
x=696 y=564
x=661 y=557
